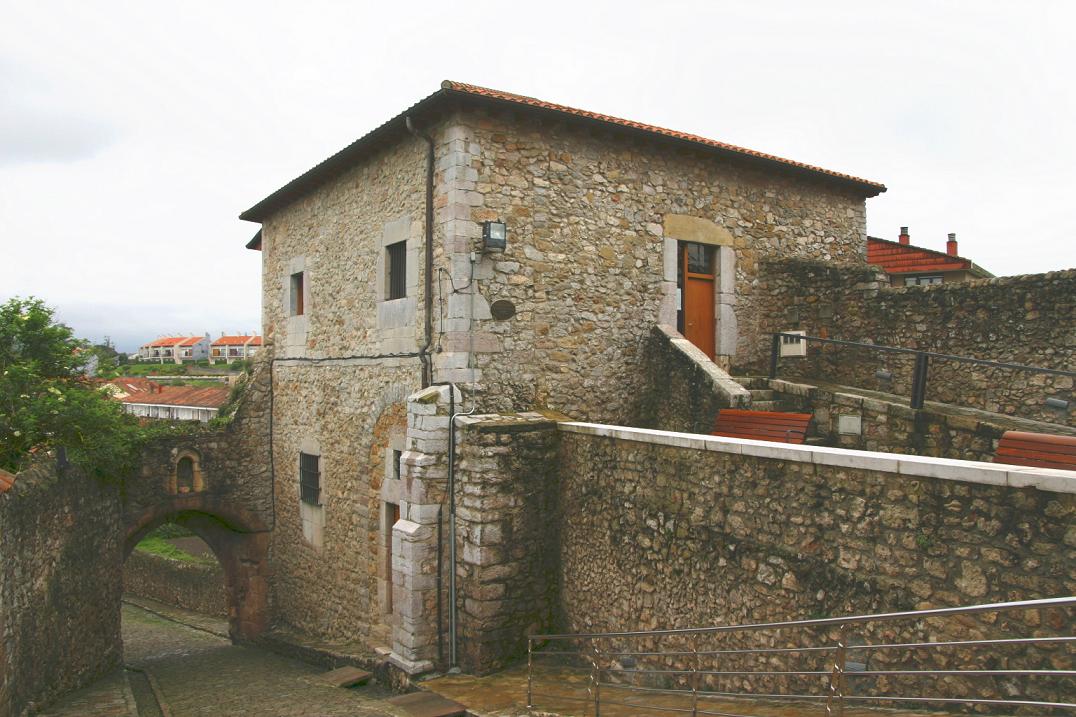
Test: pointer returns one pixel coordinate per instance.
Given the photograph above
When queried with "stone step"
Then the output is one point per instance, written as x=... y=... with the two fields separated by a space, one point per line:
x=752 y=382
x=428 y=704
x=763 y=405
x=347 y=676
x=761 y=394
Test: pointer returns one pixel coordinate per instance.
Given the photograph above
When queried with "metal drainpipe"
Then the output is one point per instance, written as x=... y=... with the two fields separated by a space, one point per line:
x=424 y=351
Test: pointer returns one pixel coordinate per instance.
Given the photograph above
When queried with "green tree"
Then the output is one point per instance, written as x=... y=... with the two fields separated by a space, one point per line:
x=45 y=402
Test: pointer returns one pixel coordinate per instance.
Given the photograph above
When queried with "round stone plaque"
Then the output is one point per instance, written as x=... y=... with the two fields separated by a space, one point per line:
x=502 y=309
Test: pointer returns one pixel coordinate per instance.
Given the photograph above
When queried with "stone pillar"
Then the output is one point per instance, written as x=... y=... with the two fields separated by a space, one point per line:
x=423 y=478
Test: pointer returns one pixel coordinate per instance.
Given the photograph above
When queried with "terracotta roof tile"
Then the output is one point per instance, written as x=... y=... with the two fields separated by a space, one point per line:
x=427 y=108
x=199 y=397
x=238 y=340
x=168 y=341
x=134 y=384
x=532 y=102
x=7 y=480
x=897 y=258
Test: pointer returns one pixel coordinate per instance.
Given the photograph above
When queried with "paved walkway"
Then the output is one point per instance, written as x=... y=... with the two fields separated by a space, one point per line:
x=199 y=673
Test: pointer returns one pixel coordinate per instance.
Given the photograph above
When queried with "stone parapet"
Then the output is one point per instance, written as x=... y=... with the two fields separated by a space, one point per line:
x=507 y=535
x=684 y=388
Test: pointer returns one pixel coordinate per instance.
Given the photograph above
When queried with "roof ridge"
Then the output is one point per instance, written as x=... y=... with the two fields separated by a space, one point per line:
x=524 y=99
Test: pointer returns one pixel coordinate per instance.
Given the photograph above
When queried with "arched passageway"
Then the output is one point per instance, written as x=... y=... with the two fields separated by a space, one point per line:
x=240 y=543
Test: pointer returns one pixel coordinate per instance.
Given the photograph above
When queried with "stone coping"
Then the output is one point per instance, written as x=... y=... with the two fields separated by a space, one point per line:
x=1045 y=479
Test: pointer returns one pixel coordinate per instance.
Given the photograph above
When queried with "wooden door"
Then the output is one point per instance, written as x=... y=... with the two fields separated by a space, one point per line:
x=697 y=280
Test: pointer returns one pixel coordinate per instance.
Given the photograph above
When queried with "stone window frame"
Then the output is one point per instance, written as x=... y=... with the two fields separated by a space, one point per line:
x=198 y=483
x=297 y=325
x=677 y=228
x=392 y=493
x=312 y=517
x=396 y=317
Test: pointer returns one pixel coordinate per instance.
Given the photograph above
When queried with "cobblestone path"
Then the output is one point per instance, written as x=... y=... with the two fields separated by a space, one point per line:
x=200 y=674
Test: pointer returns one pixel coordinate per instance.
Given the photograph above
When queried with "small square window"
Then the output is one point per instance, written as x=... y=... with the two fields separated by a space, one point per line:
x=297 y=294
x=310 y=479
x=396 y=270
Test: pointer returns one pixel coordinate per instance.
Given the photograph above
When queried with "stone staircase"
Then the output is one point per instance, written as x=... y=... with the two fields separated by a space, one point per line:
x=762 y=397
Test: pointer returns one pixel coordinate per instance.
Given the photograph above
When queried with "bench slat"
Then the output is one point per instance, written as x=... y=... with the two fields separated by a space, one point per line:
x=1037 y=450
x=772 y=426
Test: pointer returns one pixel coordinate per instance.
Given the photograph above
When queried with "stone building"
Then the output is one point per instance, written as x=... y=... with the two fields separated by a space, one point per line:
x=520 y=250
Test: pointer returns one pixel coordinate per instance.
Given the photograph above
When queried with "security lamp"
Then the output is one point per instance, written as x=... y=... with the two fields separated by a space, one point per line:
x=494 y=236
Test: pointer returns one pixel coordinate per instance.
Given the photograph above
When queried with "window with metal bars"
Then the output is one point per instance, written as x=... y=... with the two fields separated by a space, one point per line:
x=309 y=479
x=396 y=270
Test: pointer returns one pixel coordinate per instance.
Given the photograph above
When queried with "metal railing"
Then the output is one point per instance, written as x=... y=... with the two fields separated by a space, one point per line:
x=922 y=361
x=727 y=669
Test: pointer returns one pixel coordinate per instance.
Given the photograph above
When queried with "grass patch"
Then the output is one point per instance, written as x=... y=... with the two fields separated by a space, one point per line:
x=156 y=545
x=170 y=530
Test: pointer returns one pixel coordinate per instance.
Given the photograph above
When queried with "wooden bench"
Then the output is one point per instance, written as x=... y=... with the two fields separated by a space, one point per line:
x=1038 y=450
x=762 y=425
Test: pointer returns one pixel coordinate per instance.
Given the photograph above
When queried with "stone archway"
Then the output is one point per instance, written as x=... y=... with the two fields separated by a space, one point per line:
x=240 y=542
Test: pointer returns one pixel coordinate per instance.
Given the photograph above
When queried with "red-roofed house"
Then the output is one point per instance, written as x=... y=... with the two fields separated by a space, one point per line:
x=129 y=385
x=909 y=265
x=234 y=348
x=177 y=403
x=175 y=349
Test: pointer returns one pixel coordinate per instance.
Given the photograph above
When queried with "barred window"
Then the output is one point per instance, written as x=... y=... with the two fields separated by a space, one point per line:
x=396 y=259
x=309 y=479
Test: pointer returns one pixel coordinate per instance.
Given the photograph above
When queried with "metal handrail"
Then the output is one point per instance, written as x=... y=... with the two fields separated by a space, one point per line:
x=922 y=361
x=686 y=667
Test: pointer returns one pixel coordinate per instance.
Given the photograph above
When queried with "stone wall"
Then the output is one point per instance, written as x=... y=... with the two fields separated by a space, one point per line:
x=61 y=542
x=590 y=264
x=875 y=422
x=507 y=536
x=1021 y=319
x=669 y=530
x=343 y=413
x=683 y=390
x=191 y=586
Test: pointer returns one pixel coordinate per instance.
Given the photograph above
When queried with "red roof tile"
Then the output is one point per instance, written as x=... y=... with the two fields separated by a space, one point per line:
x=452 y=92
x=532 y=102
x=129 y=384
x=7 y=480
x=238 y=340
x=198 y=397
x=167 y=341
x=897 y=258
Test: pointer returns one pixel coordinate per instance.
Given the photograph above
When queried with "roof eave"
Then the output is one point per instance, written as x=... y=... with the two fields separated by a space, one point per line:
x=343 y=160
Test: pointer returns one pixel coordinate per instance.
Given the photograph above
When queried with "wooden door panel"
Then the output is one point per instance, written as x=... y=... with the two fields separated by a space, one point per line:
x=699 y=312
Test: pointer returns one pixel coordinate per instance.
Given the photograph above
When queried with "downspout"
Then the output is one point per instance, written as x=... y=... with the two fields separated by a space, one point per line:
x=424 y=351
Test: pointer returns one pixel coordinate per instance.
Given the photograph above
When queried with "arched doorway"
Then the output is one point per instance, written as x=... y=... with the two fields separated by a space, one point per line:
x=240 y=543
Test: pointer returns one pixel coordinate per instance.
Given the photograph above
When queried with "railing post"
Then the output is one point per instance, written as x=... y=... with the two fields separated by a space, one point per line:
x=530 y=673
x=836 y=675
x=775 y=352
x=597 y=680
x=695 y=676
x=919 y=379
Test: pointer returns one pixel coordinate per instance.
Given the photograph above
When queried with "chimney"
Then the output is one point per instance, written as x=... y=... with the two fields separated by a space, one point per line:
x=950 y=246
x=904 y=238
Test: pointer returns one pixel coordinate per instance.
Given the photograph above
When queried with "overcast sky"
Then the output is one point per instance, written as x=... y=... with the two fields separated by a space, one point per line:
x=133 y=133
